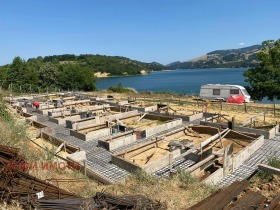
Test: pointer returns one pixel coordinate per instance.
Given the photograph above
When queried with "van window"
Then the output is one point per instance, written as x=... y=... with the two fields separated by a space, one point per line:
x=234 y=91
x=216 y=92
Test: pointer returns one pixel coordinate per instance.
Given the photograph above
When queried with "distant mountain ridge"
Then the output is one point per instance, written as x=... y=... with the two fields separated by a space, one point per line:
x=231 y=58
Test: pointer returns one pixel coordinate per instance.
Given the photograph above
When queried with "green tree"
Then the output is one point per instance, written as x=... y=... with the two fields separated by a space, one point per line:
x=48 y=76
x=76 y=77
x=264 y=79
x=16 y=71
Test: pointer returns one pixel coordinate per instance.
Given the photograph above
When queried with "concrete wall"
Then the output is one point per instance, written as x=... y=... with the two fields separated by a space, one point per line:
x=46 y=106
x=76 y=102
x=119 y=161
x=187 y=118
x=215 y=177
x=243 y=155
x=121 y=103
x=154 y=130
x=115 y=143
x=61 y=113
x=58 y=110
x=62 y=121
x=145 y=109
x=268 y=134
x=119 y=116
x=160 y=163
x=93 y=108
x=57 y=120
x=44 y=111
x=91 y=135
x=79 y=123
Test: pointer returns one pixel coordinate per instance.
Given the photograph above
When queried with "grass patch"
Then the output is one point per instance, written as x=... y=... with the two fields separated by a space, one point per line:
x=265 y=176
x=120 y=89
x=177 y=191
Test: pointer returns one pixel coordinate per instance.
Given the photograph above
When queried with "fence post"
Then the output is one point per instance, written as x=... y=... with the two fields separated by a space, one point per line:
x=170 y=162
x=245 y=107
x=274 y=109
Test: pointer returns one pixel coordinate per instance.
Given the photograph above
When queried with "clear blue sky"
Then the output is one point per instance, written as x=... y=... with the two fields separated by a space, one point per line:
x=145 y=30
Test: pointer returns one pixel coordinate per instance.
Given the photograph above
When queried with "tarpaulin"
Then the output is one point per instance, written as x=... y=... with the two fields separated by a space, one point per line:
x=236 y=99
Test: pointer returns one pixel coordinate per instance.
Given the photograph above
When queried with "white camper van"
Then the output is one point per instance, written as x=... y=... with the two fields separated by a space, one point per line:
x=222 y=92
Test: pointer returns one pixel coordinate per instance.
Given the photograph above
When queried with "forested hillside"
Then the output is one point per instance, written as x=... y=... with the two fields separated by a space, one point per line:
x=114 y=65
x=67 y=71
x=232 y=58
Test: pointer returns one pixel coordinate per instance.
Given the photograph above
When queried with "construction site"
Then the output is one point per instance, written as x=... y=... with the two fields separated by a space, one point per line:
x=113 y=137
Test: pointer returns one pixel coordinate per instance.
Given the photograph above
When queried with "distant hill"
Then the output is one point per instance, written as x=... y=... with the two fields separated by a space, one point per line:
x=114 y=65
x=232 y=58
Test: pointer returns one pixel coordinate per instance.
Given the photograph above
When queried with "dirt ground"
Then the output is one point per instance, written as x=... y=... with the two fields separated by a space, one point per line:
x=150 y=155
x=269 y=188
x=196 y=138
x=142 y=124
x=179 y=193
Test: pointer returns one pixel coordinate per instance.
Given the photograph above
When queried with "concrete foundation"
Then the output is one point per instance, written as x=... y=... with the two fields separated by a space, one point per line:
x=268 y=133
x=157 y=129
x=187 y=118
x=101 y=130
x=214 y=158
x=118 y=140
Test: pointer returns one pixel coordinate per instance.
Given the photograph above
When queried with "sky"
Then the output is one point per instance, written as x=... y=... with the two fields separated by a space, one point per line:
x=146 y=30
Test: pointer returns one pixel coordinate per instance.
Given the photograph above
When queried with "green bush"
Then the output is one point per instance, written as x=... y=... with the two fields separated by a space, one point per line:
x=264 y=176
x=120 y=89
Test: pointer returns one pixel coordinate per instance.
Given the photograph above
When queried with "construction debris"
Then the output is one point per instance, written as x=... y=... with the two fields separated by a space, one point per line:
x=33 y=193
x=236 y=196
x=102 y=201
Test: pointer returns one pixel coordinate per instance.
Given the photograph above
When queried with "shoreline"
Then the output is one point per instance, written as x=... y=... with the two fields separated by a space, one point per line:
x=169 y=71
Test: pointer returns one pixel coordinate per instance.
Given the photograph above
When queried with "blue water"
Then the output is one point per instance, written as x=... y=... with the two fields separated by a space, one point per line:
x=187 y=81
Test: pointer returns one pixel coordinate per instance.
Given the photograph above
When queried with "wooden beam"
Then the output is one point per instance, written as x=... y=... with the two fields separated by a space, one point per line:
x=212 y=138
x=269 y=169
x=200 y=163
x=244 y=135
x=141 y=117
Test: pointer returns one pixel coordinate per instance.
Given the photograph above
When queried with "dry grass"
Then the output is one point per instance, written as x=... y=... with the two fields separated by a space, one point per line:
x=177 y=192
x=186 y=105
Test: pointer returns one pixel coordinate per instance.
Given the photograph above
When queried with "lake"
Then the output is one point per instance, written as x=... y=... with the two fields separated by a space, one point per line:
x=185 y=81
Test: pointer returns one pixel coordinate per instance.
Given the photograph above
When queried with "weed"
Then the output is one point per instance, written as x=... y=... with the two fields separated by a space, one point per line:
x=265 y=176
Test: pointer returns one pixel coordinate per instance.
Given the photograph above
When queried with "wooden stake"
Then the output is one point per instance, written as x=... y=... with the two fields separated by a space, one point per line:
x=220 y=138
x=170 y=162
x=245 y=107
x=85 y=169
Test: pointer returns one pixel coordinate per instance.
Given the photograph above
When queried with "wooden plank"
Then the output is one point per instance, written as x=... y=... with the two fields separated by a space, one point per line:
x=141 y=117
x=59 y=148
x=244 y=135
x=200 y=163
x=221 y=198
x=246 y=122
x=212 y=138
x=249 y=201
x=139 y=151
x=269 y=169
x=274 y=203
